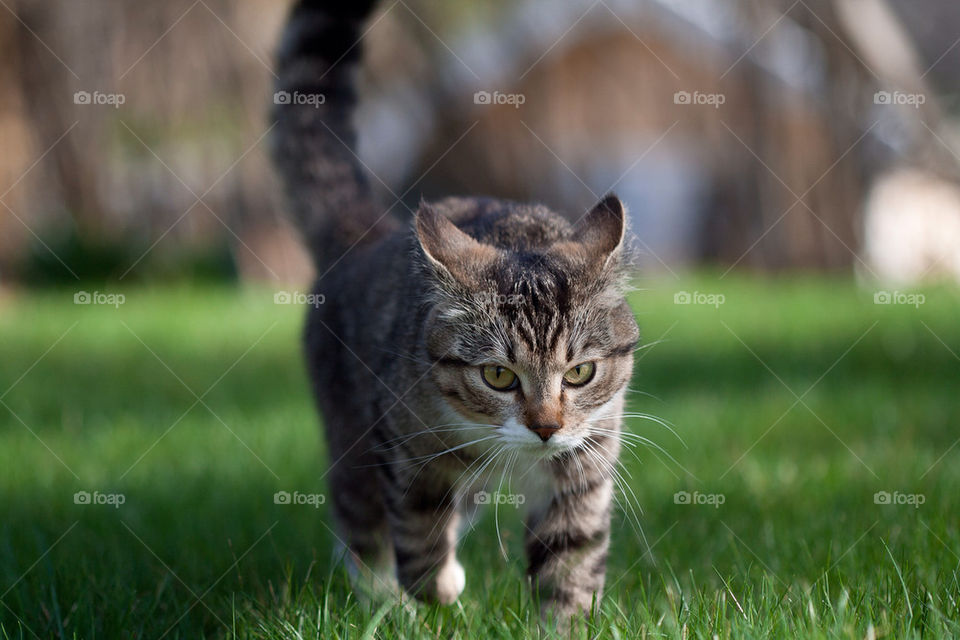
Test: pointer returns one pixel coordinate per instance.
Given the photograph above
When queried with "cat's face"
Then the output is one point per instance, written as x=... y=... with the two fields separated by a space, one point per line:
x=539 y=346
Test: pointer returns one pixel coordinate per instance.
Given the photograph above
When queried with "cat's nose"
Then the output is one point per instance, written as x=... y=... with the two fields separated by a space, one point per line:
x=545 y=430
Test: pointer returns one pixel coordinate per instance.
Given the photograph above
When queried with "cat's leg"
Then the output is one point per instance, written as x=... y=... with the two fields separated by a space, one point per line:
x=567 y=540
x=362 y=524
x=424 y=519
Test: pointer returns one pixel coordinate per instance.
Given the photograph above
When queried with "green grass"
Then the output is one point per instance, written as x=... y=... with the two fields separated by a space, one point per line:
x=199 y=549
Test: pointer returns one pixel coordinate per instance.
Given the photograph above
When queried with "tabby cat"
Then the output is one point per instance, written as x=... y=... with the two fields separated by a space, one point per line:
x=485 y=338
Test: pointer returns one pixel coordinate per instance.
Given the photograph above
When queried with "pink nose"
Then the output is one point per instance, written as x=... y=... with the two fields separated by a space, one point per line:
x=545 y=431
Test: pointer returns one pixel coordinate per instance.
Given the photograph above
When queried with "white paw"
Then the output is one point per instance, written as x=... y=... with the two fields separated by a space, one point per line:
x=450 y=582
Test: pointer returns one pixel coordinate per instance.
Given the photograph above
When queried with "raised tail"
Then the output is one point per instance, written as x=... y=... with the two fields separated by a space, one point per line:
x=328 y=194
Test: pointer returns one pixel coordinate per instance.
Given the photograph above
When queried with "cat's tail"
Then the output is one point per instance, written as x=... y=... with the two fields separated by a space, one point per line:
x=313 y=145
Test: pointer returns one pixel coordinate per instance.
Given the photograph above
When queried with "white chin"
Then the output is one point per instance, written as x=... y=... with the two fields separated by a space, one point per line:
x=553 y=446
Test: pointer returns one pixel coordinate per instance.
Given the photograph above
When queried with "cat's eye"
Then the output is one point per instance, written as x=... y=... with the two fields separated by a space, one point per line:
x=580 y=374
x=499 y=378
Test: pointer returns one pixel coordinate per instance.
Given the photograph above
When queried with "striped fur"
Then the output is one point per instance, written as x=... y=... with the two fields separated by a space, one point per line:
x=413 y=314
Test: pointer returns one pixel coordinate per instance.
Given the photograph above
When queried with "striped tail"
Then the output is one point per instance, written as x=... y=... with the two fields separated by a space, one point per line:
x=329 y=196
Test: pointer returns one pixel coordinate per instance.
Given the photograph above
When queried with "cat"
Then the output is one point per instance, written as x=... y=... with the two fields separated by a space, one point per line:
x=485 y=335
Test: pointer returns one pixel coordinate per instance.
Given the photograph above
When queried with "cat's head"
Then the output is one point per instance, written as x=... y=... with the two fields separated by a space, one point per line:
x=529 y=329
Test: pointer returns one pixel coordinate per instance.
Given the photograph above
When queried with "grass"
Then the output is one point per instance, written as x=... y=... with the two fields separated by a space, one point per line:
x=798 y=399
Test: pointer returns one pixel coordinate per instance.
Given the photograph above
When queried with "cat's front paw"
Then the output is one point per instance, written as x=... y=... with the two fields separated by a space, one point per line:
x=451 y=580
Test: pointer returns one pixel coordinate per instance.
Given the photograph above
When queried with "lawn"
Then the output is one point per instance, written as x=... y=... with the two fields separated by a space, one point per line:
x=184 y=410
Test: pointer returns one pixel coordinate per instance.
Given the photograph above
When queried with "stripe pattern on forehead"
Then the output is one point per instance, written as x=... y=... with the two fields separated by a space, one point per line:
x=536 y=301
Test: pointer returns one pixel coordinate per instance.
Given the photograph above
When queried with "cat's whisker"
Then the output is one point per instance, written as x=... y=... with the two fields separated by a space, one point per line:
x=496 y=507
x=459 y=486
x=654 y=448
x=630 y=414
x=433 y=456
x=595 y=440
x=380 y=449
x=508 y=469
x=621 y=485
x=536 y=463
x=438 y=427
x=645 y=393
x=644 y=416
x=583 y=477
x=460 y=489
x=625 y=445
x=447 y=428
x=632 y=439
x=651 y=344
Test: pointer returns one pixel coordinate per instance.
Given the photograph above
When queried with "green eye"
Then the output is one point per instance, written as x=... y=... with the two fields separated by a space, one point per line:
x=499 y=378
x=580 y=374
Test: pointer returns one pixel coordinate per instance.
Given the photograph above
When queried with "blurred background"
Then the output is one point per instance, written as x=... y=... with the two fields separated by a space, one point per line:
x=756 y=134
x=791 y=170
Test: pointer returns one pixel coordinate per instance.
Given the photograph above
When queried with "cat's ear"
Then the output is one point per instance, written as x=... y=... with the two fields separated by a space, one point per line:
x=448 y=248
x=602 y=229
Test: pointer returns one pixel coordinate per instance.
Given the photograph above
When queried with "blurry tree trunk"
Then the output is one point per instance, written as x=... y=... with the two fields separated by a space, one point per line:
x=45 y=82
x=808 y=175
x=14 y=141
